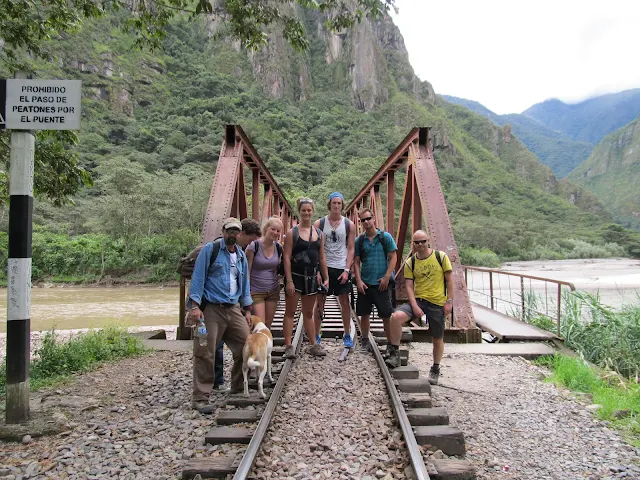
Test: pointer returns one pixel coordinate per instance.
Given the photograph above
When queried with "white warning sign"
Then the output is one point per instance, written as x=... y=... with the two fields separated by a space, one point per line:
x=43 y=104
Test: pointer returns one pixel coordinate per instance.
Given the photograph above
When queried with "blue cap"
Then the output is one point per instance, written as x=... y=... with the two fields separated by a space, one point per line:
x=336 y=195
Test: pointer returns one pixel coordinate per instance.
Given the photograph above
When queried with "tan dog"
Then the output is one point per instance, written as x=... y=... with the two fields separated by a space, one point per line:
x=257 y=354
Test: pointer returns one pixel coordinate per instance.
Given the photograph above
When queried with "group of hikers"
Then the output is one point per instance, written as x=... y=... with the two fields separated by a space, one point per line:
x=239 y=275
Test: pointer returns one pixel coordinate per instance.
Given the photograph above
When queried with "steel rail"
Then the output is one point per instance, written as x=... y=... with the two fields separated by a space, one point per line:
x=249 y=457
x=417 y=462
x=521 y=275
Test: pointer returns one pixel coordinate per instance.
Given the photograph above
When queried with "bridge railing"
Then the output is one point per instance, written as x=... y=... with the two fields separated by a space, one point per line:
x=526 y=297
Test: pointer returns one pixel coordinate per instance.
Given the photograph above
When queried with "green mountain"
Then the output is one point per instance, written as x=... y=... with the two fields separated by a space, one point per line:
x=553 y=147
x=589 y=120
x=322 y=120
x=612 y=172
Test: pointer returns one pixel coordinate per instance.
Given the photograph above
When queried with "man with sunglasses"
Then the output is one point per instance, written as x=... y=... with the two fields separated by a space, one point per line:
x=375 y=259
x=429 y=282
x=339 y=238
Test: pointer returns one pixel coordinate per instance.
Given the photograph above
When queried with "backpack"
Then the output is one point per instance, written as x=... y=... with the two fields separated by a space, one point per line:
x=186 y=264
x=347 y=227
x=256 y=247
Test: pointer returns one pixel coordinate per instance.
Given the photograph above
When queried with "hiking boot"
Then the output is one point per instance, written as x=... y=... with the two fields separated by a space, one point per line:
x=289 y=352
x=393 y=360
x=365 y=345
x=318 y=338
x=434 y=374
x=385 y=354
x=203 y=406
x=348 y=341
x=316 y=350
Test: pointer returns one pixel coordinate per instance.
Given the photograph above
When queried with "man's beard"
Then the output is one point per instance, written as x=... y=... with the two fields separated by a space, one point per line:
x=230 y=241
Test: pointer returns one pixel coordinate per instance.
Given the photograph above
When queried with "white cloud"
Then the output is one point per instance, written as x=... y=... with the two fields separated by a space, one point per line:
x=509 y=55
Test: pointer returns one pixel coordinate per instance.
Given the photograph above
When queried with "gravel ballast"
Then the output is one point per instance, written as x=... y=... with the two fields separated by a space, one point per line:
x=518 y=427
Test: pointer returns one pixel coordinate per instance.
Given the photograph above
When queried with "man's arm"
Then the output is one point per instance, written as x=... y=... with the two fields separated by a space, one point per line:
x=448 y=277
x=393 y=258
x=351 y=243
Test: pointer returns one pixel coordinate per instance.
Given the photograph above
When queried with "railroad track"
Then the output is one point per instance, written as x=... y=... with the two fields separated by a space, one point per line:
x=409 y=397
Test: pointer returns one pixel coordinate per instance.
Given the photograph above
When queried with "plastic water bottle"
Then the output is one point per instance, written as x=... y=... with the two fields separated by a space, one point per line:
x=202 y=333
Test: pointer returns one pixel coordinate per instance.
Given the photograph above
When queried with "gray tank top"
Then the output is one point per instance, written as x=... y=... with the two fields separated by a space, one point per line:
x=335 y=244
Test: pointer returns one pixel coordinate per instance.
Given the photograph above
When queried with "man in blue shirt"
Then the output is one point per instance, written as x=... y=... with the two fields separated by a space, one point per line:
x=375 y=260
x=220 y=292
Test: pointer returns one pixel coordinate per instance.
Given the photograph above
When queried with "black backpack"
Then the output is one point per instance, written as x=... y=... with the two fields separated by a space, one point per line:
x=347 y=227
x=256 y=247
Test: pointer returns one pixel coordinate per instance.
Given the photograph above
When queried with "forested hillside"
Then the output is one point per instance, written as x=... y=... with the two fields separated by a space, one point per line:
x=322 y=120
x=612 y=172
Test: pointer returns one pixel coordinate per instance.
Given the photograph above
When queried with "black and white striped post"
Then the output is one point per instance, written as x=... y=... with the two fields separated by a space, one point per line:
x=19 y=275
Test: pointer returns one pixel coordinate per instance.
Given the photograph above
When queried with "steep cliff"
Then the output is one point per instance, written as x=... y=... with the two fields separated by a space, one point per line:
x=612 y=172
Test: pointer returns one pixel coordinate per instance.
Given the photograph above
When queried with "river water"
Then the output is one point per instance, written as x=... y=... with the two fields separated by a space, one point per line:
x=62 y=308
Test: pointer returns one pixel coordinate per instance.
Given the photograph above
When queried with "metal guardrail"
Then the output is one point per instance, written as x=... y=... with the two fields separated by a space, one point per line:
x=526 y=306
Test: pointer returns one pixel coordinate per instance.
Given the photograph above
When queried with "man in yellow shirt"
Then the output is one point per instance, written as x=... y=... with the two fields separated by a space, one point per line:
x=429 y=282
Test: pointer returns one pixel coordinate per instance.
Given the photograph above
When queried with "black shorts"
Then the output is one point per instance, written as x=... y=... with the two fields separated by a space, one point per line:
x=305 y=281
x=434 y=313
x=335 y=287
x=372 y=296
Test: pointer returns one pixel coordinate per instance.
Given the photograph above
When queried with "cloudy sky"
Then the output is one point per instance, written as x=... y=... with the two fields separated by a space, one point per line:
x=509 y=55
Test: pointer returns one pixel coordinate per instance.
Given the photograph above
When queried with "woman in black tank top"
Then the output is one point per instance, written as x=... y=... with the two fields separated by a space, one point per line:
x=303 y=257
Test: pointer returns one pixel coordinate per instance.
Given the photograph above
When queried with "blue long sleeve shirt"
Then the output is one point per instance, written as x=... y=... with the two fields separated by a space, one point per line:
x=213 y=282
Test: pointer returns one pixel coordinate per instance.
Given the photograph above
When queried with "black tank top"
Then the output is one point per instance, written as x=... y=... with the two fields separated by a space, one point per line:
x=305 y=254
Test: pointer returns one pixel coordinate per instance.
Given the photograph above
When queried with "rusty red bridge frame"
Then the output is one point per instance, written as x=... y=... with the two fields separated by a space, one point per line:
x=422 y=199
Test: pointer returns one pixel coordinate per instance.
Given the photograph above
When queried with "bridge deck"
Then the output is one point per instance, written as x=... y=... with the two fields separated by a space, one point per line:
x=507 y=328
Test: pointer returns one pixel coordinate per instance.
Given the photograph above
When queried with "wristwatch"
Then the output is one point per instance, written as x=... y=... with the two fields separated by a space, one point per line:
x=449 y=300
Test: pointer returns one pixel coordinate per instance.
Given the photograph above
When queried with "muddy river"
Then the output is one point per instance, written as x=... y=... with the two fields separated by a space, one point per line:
x=617 y=281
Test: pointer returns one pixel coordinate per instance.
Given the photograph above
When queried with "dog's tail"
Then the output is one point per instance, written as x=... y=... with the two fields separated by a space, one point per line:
x=252 y=363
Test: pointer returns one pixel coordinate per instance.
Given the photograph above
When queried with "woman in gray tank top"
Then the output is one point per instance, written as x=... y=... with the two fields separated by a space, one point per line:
x=263 y=270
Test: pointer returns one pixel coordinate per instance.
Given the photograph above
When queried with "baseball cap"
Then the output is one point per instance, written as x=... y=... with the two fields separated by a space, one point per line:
x=231 y=222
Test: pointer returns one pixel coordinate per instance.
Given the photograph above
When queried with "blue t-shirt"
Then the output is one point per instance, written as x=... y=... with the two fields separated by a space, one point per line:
x=375 y=262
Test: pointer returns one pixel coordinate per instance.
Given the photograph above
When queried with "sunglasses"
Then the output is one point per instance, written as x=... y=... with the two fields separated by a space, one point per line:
x=334 y=237
x=419 y=242
x=366 y=219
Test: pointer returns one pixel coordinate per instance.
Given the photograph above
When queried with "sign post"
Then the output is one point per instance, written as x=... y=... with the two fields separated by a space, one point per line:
x=28 y=105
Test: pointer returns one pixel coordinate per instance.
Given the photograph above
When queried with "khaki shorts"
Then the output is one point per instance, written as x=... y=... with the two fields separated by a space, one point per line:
x=272 y=296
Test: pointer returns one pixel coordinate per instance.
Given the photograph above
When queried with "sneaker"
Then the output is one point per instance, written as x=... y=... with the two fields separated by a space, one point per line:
x=434 y=373
x=318 y=338
x=221 y=388
x=316 y=350
x=289 y=352
x=202 y=406
x=393 y=361
x=348 y=341
x=365 y=345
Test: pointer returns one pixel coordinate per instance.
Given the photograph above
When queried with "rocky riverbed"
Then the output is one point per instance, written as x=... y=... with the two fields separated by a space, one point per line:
x=517 y=426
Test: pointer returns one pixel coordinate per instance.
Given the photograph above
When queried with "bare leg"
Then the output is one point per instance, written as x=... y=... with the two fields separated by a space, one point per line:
x=345 y=309
x=308 y=302
x=398 y=319
x=287 y=321
x=259 y=311
x=438 y=349
x=365 y=324
x=386 y=327
x=270 y=312
x=319 y=312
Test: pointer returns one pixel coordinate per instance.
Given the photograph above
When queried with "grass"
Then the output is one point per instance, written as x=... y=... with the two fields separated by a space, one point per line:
x=56 y=361
x=618 y=398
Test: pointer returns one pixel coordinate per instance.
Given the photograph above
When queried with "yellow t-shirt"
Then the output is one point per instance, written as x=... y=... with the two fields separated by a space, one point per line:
x=428 y=277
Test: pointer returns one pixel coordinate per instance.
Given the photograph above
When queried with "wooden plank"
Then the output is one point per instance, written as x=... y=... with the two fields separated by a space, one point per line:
x=213 y=467
x=220 y=435
x=508 y=328
x=448 y=439
x=229 y=417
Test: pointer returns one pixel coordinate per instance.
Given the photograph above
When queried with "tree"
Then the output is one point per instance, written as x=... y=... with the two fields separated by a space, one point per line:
x=27 y=25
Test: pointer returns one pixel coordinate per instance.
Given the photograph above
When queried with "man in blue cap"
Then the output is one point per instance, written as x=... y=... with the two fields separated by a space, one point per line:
x=339 y=244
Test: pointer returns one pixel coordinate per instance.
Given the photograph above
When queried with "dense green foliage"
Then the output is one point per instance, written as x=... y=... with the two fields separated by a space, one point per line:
x=612 y=172
x=151 y=133
x=56 y=360
x=618 y=401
